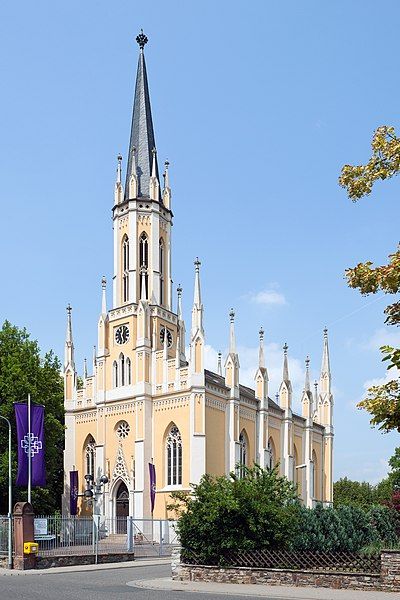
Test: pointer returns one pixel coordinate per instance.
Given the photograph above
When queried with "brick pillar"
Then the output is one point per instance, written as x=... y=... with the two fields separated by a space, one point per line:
x=390 y=573
x=23 y=532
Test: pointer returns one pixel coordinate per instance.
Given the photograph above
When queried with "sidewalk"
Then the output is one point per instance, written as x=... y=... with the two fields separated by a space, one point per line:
x=141 y=562
x=273 y=592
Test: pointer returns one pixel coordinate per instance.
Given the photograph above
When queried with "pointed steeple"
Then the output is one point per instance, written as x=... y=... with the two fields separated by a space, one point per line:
x=85 y=371
x=142 y=132
x=181 y=323
x=285 y=390
x=69 y=344
x=197 y=311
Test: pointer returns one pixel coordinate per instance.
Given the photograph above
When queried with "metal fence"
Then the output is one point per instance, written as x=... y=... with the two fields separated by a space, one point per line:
x=4 y=524
x=344 y=562
x=63 y=536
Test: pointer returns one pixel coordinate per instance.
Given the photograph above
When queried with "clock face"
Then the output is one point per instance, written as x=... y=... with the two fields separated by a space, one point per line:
x=122 y=334
x=169 y=336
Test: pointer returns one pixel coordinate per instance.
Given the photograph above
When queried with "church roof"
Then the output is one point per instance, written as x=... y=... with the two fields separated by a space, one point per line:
x=142 y=140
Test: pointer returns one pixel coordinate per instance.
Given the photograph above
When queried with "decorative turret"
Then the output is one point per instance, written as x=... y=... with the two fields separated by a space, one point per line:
x=232 y=361
x=166 y=196
x=261 y=376
x=219 y=364
x=103 y=320
x=119 y=192
x=307 y=398
x=197 y=333
x=197 y=310
x=69 y=359
x=285 y=390
x=181 y=326
x=69 y=363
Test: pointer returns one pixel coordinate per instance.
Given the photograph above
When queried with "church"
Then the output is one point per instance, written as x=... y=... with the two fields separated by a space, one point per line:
x=147 y=400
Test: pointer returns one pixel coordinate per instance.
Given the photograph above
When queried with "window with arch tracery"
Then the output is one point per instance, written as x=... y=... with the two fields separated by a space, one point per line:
x=144 y=259
x=161 y=259
x=122 y=368
x=115 y=374
x=125 y=264
x=242 y=452
x=174 y=457
x=90 y=456
x=122 y=430
x=128 y=370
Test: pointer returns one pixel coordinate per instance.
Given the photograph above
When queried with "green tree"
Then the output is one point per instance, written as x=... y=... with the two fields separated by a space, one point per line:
x=383 y=401
x=23 y=371
x=353 y=493
x=257 y=510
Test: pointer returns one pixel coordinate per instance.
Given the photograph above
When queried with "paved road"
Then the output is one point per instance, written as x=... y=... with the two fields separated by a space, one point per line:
x=111 y=584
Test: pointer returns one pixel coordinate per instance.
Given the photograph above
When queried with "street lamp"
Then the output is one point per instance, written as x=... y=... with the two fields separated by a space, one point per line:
x=9 y=494
x=94 y=489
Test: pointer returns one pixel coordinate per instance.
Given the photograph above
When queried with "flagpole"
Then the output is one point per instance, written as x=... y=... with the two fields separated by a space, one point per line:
x=29 y=452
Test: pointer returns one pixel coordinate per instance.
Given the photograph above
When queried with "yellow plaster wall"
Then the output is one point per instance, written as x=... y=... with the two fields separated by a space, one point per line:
x=215 y=440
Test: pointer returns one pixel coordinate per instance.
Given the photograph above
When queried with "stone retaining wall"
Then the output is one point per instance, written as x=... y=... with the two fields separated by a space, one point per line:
x=45 y=562
x=387 y=580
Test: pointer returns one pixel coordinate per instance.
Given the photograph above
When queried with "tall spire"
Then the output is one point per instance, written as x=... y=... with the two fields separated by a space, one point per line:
x=142 y=132
x=232 y=337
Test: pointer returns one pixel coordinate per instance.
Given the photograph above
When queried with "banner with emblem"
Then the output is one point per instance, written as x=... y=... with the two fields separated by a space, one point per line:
x=32 y=441
x=73 y=493
x=152 y=470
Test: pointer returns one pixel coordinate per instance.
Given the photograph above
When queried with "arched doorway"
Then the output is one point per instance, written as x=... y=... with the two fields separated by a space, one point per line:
x=122 y=507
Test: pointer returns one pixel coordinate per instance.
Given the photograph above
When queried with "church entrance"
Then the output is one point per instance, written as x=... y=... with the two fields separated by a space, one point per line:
x=122 y=507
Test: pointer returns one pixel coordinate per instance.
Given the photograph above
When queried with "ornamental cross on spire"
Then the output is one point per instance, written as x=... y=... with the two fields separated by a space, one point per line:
x=141 y=39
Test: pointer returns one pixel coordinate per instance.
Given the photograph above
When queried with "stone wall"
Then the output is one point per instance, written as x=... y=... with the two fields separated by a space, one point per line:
x=45 y=562
x=387 y=580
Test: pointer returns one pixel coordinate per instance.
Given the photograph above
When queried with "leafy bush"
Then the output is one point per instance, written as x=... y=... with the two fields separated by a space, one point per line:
x=258 y=510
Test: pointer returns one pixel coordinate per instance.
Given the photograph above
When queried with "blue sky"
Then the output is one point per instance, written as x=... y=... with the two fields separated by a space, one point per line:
x=257 y=105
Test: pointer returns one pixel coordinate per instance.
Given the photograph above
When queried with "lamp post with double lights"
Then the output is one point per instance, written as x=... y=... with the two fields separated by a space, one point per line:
x=92 y=491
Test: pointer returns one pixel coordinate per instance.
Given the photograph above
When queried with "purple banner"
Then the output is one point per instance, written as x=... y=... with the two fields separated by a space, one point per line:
x=73 y=493
x=36 y=444
x=152 y=470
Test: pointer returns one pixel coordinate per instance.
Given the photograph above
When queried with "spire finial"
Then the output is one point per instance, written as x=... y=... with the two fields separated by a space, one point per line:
x=219 y=369
x=69 y=309
x=232 y=315
x=325 y=332
x=232 y=337
x=103 y=296
x=285 y=363
x=179 y=294
x=197 y=264
x=142 y=39
x=261 y=360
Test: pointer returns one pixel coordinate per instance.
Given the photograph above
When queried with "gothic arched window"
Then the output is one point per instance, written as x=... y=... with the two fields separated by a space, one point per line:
x=243 y=449
x=174 y=457
x=314 y=475
x=90 y=456
x=271 y=453
x=122 y=368
x=161 y=260
x=125 y=265
x=115 y=374
x=144 y=260
x=128 y=370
